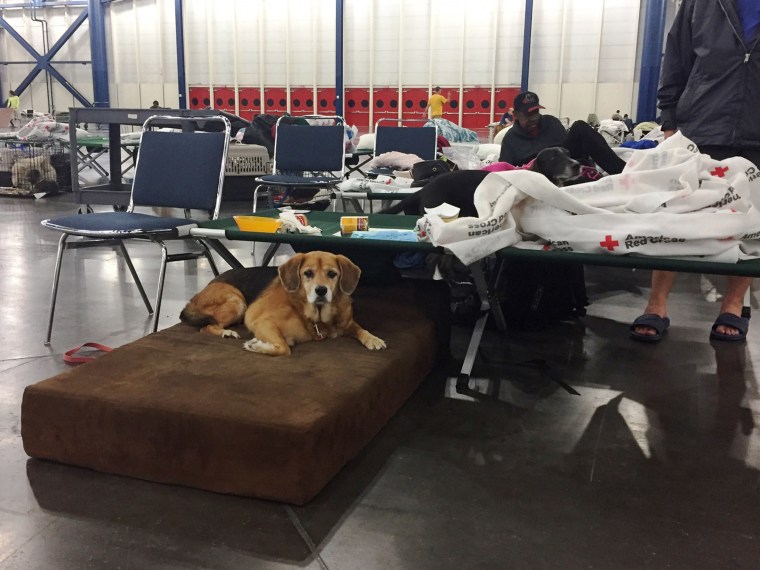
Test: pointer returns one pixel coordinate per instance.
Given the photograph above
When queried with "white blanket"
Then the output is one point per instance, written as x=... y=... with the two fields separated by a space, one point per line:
x=668 y=201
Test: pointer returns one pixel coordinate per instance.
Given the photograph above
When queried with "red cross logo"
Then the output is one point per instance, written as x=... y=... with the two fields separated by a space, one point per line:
x=720 y=171
x=626 y=181
x=609 y=243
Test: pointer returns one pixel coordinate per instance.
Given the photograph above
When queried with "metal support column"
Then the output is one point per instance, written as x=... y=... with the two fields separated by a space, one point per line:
x=651 y=59
x=527 y=35
x=180 y=33
x=99 y=56
x=339 y=4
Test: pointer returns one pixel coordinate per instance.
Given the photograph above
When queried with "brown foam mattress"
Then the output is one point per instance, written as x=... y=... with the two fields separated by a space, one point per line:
x=187 y=408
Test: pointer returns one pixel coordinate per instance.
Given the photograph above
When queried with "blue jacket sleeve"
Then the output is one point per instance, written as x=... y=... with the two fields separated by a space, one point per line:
x=676 y=65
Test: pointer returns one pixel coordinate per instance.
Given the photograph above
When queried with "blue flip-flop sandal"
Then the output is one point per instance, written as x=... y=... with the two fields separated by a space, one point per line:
x=652 y=321
x=728 y=320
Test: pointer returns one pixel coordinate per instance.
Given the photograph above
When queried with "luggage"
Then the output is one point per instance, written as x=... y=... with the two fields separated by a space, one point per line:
x=535 y=294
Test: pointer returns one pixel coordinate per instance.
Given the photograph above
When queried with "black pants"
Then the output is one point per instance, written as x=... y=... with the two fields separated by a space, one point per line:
x=584 y=144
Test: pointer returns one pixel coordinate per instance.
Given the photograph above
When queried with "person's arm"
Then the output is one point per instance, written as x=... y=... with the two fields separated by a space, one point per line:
x=507 y=153
x=676 y=65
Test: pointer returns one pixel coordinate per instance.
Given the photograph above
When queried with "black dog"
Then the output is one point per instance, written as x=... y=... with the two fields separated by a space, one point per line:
x=458 y=188
x=557 y=165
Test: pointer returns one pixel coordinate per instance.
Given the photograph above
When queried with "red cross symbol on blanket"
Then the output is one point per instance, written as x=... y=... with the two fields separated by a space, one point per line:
x=626 y=181
x=609 y=243
x=720 y=171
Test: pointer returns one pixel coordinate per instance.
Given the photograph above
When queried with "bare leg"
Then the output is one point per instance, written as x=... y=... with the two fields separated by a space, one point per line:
x=734 y=301
x=662 y=283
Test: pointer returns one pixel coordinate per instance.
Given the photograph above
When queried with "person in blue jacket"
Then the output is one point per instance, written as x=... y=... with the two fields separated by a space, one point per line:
x=708 y=90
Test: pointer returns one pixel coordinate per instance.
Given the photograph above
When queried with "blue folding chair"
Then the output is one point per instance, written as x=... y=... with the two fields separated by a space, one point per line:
x=182 y=170
x=400 y=135
x=308 y=162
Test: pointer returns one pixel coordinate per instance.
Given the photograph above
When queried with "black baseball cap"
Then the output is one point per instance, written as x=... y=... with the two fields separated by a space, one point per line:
x=527 y=102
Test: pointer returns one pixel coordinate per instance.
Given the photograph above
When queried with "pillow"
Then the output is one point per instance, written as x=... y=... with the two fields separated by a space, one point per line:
x=500 y=135
x=484 y=150
x=366 y=142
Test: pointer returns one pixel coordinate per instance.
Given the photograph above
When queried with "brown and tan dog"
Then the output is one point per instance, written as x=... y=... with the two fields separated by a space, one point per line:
x=310 y=300
x=223 y=302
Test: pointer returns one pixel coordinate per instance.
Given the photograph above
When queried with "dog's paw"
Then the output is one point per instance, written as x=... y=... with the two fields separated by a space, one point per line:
x=373 y=343
x=253 y=345
x=262 y=347
x=226 y=333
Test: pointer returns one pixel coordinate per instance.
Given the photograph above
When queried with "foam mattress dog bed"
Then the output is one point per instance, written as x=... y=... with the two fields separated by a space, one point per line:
x=187 y=408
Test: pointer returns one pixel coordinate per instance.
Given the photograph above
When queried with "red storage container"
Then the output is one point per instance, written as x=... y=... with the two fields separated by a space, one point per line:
x=301 y=101
x=199 y=98
x=224 y=99
x=249 y=99
x=356 y=108
x=504 y=98
x=275 y=100
x=476 y=108
x=414 y=103
x=326 y=101
x=385 y=103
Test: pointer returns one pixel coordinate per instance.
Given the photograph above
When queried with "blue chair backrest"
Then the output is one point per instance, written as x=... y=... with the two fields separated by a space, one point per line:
x=409 y=140
x=300 y=148
x=179 y=169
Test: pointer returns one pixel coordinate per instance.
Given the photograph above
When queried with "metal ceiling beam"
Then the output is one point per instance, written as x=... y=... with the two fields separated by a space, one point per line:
x=98 y=53
x=43 y=62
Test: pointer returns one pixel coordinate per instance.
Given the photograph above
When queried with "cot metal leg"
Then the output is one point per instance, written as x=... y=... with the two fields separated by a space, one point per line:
x=463 y=380
x=225 y=253
x=489 y=305
x=131 y=267
x=207 y=254
x=271 y=250
x=54 y=293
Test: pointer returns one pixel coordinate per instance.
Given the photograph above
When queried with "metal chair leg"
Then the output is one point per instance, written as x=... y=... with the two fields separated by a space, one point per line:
x=161 y=276
x=132 y=270
x=255 y=197
x=54 y=293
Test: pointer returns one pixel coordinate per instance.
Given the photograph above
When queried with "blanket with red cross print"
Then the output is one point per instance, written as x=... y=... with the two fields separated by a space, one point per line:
x=670 y=200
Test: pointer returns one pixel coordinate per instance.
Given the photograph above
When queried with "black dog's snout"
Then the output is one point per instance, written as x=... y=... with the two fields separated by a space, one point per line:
x=320 y=290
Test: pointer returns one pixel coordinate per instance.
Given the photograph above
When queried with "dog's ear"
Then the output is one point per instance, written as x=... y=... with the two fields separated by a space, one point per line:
x=290 y=273
x=349 y=274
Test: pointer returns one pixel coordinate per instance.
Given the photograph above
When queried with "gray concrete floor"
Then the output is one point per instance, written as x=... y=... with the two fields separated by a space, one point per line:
x=653 y=465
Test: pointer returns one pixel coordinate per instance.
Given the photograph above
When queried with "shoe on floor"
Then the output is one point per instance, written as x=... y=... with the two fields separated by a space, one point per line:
x=652 y=321
x=729 y=320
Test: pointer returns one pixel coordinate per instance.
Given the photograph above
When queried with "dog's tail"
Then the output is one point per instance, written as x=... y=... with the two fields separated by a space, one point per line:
x=411 y=203
x=192 y=316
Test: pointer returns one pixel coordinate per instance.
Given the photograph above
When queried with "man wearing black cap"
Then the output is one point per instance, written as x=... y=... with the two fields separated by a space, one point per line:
x=532 y=132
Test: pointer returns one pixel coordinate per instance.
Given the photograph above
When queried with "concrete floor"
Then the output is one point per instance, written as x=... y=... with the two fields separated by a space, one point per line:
x=653 y=465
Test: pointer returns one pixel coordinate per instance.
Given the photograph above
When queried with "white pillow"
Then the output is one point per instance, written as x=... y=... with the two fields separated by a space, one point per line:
x=500 y=135
x=487 y=149
x=366 y=142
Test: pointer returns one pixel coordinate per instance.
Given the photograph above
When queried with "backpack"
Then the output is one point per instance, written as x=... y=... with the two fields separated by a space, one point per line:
x=535 y=294
x=261 y=132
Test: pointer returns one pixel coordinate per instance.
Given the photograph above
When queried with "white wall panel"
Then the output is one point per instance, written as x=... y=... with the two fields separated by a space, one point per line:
x=397 y=43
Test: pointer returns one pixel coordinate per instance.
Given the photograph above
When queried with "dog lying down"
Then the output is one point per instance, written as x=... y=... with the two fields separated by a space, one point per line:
x=458 y=188
x=309 y=299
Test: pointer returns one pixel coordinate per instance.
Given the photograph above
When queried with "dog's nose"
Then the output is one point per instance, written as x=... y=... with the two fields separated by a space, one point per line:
x=320 y=290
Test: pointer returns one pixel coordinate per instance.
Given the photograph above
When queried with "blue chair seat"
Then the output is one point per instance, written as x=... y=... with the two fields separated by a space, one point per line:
x=120 y=224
